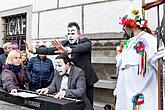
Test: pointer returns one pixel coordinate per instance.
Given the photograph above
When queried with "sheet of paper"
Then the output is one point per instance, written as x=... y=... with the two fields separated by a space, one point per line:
x=26 y=94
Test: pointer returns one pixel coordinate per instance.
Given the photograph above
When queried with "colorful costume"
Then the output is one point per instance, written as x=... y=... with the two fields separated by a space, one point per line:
x=137 y=87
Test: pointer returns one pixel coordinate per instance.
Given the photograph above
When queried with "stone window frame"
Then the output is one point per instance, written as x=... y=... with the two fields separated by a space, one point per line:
x=15 y=12
x=15 y=29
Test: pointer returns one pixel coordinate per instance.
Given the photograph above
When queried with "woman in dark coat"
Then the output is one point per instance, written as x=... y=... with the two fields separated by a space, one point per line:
x=13 y=77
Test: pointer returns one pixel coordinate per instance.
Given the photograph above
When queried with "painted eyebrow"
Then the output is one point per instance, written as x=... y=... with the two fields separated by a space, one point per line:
x=72 y=30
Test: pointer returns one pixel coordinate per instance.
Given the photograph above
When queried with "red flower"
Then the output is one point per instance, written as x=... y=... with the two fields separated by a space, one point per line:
x=140 y=48
x=126 y=23
x=145 y=25
x=123 y=20
x=132 y=23
x=138 y=99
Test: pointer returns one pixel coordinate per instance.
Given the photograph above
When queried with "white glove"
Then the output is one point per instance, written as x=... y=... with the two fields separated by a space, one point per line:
x=161 y=53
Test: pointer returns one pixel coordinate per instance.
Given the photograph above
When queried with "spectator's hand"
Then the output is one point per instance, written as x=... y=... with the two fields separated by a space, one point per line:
x=58 y=45
x=29 y=47
x=120 y=47
x=13 y=92
x=118 y=50
x=60 y=94
x=42 y=91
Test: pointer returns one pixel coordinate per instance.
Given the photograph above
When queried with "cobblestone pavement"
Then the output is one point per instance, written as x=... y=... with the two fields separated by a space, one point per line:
x=8 y=106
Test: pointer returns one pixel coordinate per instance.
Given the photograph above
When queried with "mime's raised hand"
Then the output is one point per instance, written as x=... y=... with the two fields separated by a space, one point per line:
x=58 y=45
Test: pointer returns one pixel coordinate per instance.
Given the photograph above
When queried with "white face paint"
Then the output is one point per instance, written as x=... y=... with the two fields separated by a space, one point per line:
x=72 y=35
x=60 y=66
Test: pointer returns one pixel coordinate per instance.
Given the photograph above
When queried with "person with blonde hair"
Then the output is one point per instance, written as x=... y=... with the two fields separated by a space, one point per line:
x=13 y=77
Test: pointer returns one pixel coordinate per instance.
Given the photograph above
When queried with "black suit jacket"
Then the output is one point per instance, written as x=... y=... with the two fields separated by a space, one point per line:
x=80 y=55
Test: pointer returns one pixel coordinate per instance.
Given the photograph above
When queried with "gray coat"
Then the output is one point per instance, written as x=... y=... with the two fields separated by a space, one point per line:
x=76 y=85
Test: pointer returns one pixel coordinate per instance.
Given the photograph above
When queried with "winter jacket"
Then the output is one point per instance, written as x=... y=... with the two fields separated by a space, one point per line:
x=39 y=71
x=11 y=80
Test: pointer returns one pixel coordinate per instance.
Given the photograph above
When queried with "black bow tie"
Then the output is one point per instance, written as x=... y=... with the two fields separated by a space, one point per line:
x=67 y=75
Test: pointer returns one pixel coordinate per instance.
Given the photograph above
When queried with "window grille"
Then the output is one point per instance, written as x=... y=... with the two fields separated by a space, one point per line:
x=15 y=29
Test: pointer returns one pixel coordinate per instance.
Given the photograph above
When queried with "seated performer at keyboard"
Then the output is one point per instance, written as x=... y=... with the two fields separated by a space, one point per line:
x=69 y=81
x=13 y=76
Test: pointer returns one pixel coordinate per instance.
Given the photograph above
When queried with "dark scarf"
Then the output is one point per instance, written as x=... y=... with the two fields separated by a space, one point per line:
x=13 y=68
x=17 y=70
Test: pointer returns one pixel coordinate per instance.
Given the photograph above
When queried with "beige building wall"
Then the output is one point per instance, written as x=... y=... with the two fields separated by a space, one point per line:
x=49 y=18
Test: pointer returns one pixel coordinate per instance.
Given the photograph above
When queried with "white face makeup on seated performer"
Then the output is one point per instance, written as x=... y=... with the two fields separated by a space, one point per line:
x=60 y=66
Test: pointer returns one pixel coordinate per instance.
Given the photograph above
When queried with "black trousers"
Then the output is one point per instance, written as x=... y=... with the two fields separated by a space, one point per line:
x=89 y=93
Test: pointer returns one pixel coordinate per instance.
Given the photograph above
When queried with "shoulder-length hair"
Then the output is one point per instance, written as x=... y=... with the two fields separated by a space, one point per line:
x=22 y=52
x=11 y=55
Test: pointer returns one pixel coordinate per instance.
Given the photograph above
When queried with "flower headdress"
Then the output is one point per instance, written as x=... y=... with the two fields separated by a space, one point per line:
x=134 y=21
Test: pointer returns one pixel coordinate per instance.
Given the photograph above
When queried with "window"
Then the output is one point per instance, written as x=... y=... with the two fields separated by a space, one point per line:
x=15 y=29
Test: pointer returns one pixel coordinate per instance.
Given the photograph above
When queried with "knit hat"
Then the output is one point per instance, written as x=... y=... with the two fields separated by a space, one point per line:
x=15 y=46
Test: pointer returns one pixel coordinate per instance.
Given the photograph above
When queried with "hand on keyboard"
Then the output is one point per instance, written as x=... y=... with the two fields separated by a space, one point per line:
x=42 y=91
x=13 y=92
x=60 y=94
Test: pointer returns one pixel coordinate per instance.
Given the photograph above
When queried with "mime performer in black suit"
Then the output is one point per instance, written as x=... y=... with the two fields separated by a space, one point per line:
x=79 y=50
